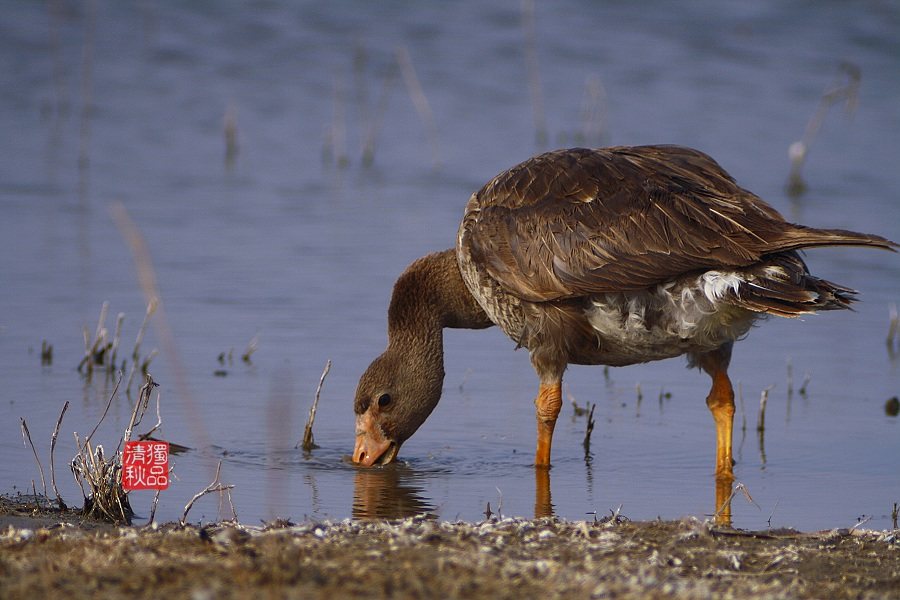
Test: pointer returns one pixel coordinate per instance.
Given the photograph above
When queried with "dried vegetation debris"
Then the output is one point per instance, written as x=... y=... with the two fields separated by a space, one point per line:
x=417 y=558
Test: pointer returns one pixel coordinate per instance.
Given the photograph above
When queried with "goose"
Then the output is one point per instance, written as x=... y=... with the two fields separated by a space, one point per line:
x=610 y=256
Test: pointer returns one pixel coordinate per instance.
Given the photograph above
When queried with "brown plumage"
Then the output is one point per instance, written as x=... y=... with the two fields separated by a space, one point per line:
x=611 y=256
x=577 y=222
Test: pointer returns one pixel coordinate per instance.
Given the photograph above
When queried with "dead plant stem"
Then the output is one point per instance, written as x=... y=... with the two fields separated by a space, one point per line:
x=26 y=435
x=309 y=443
x=59 y=500
x=214 y=486
x=105 y=410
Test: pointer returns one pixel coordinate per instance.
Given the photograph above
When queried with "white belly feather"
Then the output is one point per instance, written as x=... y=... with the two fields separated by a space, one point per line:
x=689 y=315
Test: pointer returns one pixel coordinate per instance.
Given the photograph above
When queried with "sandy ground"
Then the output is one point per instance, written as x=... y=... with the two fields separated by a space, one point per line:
x=44 y=554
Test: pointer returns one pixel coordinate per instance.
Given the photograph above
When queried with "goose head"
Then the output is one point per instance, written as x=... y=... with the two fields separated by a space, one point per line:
x=394 y=397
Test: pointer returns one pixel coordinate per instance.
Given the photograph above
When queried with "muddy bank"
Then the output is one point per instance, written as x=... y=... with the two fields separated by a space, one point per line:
x=417 y=558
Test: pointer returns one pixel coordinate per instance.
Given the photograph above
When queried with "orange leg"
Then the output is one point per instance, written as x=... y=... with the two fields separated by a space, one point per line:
x=721 y=404
x=548 y=403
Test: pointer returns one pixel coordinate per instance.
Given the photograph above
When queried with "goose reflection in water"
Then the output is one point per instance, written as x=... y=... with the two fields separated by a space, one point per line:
x=389 y=493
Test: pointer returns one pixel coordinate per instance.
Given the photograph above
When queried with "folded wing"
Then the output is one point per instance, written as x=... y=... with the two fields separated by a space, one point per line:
x=577 y=222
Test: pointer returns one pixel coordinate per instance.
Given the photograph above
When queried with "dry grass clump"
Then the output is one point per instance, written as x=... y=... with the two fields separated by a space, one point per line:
x=100 y=476
x=101 y=349
x=103 y=477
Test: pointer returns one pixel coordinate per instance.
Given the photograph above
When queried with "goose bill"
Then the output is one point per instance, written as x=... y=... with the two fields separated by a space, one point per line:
x=372 y=446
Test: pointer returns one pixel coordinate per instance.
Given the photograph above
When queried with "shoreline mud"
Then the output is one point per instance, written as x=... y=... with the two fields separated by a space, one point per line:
x=60 y=553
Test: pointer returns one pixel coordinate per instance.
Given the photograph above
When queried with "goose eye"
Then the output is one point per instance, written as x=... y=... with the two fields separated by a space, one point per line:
x=384 y=400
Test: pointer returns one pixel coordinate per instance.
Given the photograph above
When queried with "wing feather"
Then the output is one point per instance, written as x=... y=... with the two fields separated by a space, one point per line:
x=575 y=222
